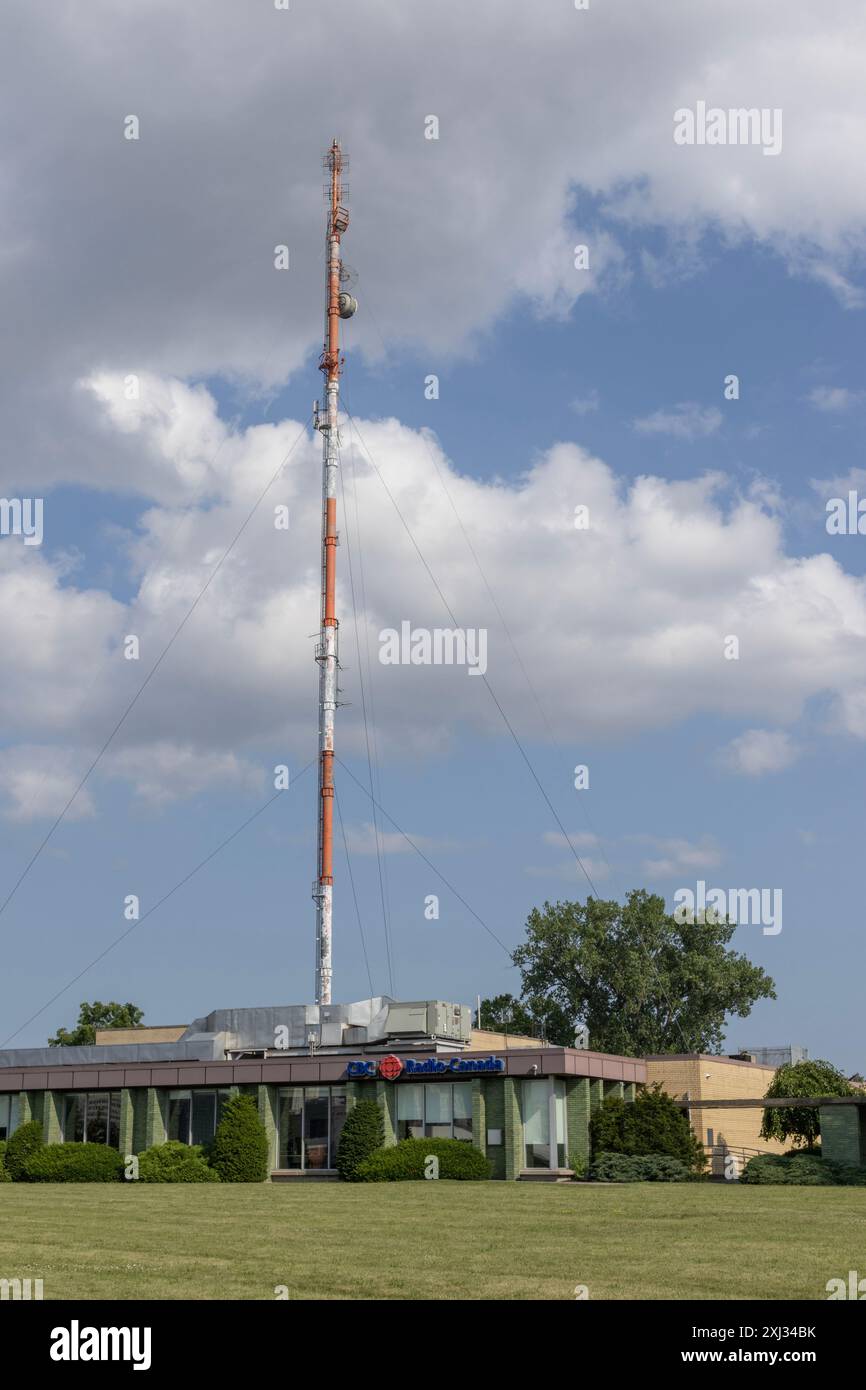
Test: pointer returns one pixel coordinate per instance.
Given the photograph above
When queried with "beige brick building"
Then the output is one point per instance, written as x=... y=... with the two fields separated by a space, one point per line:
x=693 y=1076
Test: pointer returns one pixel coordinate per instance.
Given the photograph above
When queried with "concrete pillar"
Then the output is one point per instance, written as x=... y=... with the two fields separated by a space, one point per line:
x=52 y=1117
x=514 y=1152
x=25 y=1109
x=630 y=1092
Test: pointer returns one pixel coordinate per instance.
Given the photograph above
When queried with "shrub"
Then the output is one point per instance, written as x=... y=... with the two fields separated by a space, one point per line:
x=175 y=1162
x=73 y=1163
x=239 y=1152
x=24 y=1142
x=407 y=1161
x=363 y=1133
x=801 y=1170
x=663 y=1168
x=653 y=1123
x=4 y=1176
x=578 y=1165
x=613 y=1167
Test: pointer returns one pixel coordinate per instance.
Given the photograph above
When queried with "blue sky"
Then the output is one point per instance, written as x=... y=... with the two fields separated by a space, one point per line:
x=540 y=375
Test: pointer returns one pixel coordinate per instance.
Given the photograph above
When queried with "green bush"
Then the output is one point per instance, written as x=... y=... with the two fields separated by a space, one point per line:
x=578 y=1165
x=4 y=1176
x=363 y=1133
x=614 y=1167
x=408 y=1160
x=175 y=1162
x=653 y=1123
x=239 y=1152
x=26 y=1139
x=801 y=1170
x=73 y=1163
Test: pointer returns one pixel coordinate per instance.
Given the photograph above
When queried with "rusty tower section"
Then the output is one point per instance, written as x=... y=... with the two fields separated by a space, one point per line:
x=340 y=305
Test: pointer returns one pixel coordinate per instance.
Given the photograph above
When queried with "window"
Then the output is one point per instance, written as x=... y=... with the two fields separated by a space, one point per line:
x=410 y=1110
x=311 y=1119
x=92 y=1117
x=535 y=1098
x=5 y=1116
x=437 y=1110
x=463 y=1112
x=543 y=1103
x=193 y=1116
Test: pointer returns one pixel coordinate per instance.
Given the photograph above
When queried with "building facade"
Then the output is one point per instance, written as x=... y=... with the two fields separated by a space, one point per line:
x=525 y=1105
x=726 y=1134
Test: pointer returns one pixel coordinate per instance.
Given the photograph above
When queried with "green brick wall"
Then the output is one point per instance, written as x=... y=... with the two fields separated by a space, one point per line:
x=52 y=1117
x=127 y=1122
x=495 y=1105
x=513 y=1129
x=577 y=1112
x=842 y=1134
x=493 y=1090
x=154 y=1118
x=267 y=1099
x=386 y=1098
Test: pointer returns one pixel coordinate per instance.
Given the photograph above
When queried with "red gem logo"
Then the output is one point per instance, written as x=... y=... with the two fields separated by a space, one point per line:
x=390 y=1067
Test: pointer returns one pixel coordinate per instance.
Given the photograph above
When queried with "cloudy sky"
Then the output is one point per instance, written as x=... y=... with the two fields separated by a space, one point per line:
x=566 y=392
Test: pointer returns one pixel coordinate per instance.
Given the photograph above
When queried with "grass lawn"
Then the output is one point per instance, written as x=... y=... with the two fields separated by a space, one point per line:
x=428 y=1240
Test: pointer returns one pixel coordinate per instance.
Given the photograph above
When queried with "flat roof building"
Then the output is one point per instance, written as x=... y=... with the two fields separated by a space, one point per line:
x=523 y=1103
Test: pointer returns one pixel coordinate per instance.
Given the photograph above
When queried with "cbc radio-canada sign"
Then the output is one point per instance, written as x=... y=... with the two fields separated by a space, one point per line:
x=390 y=1067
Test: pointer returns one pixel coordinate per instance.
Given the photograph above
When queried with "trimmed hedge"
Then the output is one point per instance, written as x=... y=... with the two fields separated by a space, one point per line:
x=175 y=1162
x=640 y=1168
x=406 y=1161
x=239 y=1152
x=24 y=1142
x=73 y=1163
x=801 y=1170
x=362 y=1134
x=4 y=1176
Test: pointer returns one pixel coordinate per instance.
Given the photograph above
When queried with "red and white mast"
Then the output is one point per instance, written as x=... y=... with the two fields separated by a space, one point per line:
x=339 y=305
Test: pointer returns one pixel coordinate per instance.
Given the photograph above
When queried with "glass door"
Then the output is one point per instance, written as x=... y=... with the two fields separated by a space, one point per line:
x=535 y=1104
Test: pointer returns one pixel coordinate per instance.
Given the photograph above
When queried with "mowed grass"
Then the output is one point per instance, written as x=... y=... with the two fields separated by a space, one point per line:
x=431 y=1240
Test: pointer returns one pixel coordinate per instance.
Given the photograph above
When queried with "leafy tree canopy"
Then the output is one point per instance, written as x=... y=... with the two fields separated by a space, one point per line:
x=93 y=1016
x=532 y=1018
x=641 y=982
x=799 y=1121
